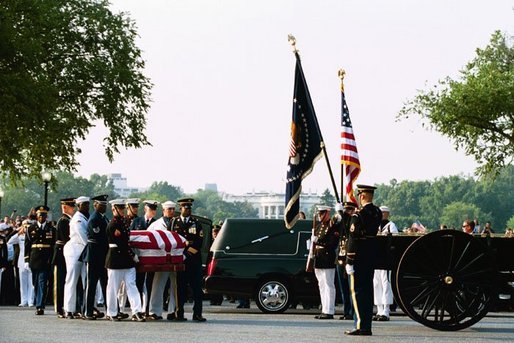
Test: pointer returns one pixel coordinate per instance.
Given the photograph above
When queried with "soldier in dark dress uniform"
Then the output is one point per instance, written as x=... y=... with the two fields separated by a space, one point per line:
x=191 y=229
x=360 y=259
x=326 y=239
x=120 y=263
x=94 y=255
x=62 y=236
x=39 y=244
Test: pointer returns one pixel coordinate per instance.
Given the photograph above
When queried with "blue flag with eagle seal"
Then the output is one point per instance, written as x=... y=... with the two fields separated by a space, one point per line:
x=305 y=147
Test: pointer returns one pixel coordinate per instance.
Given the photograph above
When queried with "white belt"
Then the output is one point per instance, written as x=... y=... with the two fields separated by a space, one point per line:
x=111 y=245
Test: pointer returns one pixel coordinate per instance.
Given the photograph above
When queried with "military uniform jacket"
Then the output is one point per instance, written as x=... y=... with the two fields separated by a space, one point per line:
x=325 y=250
x=3 y=252
x=96 y=248
x=62 y=233
x=139 y=223
x=192 y=231
x=119 y=255
x=78 y=237
x=39 y=244
x=361 y=238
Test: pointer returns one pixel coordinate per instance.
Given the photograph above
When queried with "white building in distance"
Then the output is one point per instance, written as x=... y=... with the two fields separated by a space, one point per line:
x=120 y=185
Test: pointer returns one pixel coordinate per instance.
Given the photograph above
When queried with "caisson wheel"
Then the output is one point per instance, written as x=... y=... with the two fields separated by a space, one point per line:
x=445 y=280
x=273 y=296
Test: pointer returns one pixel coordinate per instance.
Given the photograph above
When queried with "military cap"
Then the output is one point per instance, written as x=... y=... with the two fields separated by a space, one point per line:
x=168 y=204
x=322 y=208
x=186 y=202
x=133 y=202
x=42 y=209
x=82 y=199
x=68 y=201
x=365 y=189
x=118 y=203
x=152 y=204
x=349 y=204
x=101 y=199
x=384 y=209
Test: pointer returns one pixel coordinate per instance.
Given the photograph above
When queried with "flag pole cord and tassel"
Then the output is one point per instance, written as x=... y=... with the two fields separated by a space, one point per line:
x=292 y=41
x=341 y=73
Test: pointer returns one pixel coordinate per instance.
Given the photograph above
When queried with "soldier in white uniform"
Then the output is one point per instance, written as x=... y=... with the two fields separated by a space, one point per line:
x=72 y=252
x=160 y=278
x=382 y=292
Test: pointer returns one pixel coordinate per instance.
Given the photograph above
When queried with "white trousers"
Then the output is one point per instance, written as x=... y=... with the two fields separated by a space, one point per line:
x=327 y=289
x=382 y=292
x=26 y=287
x=115 y=277
x=74 y=270
x=157 y=295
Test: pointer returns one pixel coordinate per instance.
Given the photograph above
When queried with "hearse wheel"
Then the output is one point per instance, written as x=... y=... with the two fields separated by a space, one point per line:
x=445 y=280
x=273 y=296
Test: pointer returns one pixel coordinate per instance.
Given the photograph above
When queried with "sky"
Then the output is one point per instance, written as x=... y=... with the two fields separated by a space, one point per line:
x=223 y=74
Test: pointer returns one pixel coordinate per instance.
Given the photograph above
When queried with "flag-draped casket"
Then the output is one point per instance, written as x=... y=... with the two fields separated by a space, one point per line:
x=158 y=250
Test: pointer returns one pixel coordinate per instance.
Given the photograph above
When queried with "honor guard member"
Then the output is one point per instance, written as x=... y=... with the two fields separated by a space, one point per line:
x=382 y=292
x=132 y=209
x=190 y=228
x=120 y=263
x=73 y=249
x=161 y=278
x=24 y=274
x=360 y=259
x=62 y=236
x=346 y=214
x=39 y=244
x=326 y=239
x=94 y=255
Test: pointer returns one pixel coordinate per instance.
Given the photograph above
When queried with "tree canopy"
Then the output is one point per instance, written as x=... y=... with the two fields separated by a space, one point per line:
x=66 y=66
x=477 y=111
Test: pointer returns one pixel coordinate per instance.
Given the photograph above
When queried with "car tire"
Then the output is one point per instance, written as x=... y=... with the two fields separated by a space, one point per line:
x=273 y=296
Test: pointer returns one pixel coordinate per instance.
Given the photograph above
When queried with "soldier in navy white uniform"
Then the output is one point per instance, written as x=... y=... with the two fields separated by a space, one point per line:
x=73 y=249
x=382 y=292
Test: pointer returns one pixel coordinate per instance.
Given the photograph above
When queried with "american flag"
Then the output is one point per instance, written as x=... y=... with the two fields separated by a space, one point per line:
x=349 y=154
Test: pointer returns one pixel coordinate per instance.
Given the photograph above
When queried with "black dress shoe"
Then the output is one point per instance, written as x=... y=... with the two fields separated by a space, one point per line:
x=138 y=317
x=86 y=317
x=153 y=316
x=122 y=315
x=40 y=312
x=113 y=319
x=98 y=314
x=324 y=316
x=382 y=319
x=346 y=317
x=180 y=319
x=70 y=315
x=199 y=318
x=356 y=332
x=171 y=316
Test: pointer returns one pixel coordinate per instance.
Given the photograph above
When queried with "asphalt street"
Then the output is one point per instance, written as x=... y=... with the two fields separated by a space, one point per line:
x=227 y=324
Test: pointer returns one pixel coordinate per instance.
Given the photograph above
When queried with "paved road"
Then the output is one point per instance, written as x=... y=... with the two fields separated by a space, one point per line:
x=227 y=324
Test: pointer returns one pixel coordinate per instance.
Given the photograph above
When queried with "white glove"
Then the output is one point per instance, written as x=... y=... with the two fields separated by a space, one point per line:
x=339 y=207
x=349 y=269
x=26 y=265
x=136 y=259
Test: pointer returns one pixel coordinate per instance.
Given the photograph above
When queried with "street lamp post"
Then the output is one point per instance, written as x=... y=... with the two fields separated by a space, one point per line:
x=1 y=196
x=46 y=179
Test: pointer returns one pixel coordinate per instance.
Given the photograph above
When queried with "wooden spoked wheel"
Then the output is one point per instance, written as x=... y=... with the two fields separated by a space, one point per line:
x=445 y=280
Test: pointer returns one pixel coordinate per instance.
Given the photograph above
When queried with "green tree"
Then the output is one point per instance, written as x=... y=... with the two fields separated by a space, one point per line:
x=456 y=212
x=327 y=198
x=510 y=223
x=477 y=111
x=66 y=66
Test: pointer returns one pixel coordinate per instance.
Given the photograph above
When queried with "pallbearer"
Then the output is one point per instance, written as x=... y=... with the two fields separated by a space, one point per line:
x=120 y=264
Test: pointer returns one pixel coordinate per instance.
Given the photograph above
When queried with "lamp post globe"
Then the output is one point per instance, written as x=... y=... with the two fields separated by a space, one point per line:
x=47 y=176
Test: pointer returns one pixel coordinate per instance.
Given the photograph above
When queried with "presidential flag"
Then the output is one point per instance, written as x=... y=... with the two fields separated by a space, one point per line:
x=305 y=147
x=350 y=164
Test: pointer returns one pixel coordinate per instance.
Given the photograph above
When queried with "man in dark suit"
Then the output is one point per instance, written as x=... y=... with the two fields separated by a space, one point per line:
x=190 y=228
x=39 y=243
x=62 y=236
x=94 y=255
x=360 y=259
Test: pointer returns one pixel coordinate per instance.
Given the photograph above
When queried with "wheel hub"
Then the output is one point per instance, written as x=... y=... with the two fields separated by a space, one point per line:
x=448 y=280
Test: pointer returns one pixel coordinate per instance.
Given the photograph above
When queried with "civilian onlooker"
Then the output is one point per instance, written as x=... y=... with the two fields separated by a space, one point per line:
x=476 y=228
x=508 y=232
x=468 y=226
x=487 y=229
x=25 y=274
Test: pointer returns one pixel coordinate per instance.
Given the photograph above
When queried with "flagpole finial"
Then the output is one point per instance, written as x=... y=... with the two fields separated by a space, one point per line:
x=341 y=73
x=292 y=41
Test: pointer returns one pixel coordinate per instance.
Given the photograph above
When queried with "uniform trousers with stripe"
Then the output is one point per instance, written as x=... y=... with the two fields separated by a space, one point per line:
x=74 y=271
x=327 y=289
x=383 y=293
x=157 y=295
x=361 y=290
x=59 y=282
x=115 y=277
x=26 y=287
x=95 y=272
x=40 y=282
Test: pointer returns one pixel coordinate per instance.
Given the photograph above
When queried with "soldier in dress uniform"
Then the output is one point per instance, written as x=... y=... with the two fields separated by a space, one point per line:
x=326 y=240
x=346 y=214
x=94 y=255
x=39 y=244
x=132 y=209
x=120 y=263
x=62 y=236
x=360 y=259
x=190 y=228
x=73 y=249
